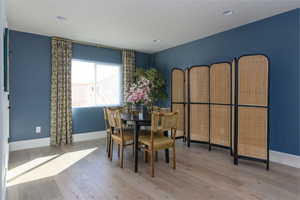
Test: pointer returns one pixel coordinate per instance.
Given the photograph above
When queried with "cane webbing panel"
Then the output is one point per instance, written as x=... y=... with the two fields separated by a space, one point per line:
x=186 y=100
x=233 y=101
x=199 y=84
x=186 y=74
x=180 y=122
x=186 y=119
x=178 y=85
x=253 y=80
x=252 y=132
x=220 y=83
x=199 y=122
x=220 y=125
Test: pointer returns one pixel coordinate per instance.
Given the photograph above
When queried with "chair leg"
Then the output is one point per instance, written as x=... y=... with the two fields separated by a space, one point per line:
x=133 y=151
x=174 y=158
x=146 y=156
x=107 y=144
x=118 y=150
x=152 y=162
x=111 y=148
x=122 y=156
x=156 y=156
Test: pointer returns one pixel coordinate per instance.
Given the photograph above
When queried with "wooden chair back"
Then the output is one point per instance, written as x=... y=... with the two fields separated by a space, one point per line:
x=155 y=109
x=165 y=110
x=106 y=118
x=159 y=109
x=115 y=121
x=161 y=122
x=111 y=116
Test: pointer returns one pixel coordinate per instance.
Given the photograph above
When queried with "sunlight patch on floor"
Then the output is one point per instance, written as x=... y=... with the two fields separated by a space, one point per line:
x=45 y=167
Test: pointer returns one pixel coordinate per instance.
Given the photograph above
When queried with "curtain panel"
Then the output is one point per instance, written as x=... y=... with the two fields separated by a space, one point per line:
x=128 y=59
x=61 y=95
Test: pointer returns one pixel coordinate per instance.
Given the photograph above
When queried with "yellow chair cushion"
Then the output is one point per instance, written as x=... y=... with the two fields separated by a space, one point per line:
x=128 y=136
x=159 y=142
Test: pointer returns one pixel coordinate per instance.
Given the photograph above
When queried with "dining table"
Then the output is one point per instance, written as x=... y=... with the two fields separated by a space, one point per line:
x=138 y=120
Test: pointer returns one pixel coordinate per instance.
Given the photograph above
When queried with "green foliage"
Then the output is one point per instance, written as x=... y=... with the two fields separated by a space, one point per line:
x=157 y=83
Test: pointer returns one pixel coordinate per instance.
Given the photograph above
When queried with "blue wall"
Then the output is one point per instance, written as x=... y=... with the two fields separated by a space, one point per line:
x=143 y=60
x=30 y=81
x=277 y=37
x=30 y=70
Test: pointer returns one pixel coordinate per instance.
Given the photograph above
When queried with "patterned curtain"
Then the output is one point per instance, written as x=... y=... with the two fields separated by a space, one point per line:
x=128 y=58
x=61 y=96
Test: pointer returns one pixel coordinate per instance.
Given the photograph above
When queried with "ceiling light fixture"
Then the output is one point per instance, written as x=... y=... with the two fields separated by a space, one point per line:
x=61 y=18
x=228 y=12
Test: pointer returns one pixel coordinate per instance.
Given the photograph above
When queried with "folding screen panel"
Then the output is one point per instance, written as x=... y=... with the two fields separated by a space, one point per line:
x=233 y=64
x=252 y=104
x=198 y=98
x=220 y=104
x=178 y=98
x=186 y=83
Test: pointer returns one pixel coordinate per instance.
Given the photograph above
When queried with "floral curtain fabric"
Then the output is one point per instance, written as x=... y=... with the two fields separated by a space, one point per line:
x=128 y=58
x=61 y=95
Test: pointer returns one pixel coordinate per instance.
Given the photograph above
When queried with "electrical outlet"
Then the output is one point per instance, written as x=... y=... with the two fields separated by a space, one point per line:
x=38 y=129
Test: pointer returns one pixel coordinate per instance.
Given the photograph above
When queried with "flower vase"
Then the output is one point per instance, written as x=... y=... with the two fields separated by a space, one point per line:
x=140 y=108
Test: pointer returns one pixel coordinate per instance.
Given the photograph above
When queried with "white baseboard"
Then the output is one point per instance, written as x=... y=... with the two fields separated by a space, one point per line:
x=285 y=159
x=43 y=142
x=89 y=136
x=29 y=144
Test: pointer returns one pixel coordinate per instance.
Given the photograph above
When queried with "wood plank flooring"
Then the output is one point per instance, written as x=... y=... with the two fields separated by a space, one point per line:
x=82 y=171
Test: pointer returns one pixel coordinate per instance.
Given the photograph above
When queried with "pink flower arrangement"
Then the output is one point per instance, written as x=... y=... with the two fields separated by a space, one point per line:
x=138 y=93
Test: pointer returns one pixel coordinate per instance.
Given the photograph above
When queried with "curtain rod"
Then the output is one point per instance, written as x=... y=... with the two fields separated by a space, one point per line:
x=89 y=44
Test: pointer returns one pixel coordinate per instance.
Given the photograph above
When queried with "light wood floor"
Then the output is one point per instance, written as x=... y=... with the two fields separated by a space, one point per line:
x=82 y=171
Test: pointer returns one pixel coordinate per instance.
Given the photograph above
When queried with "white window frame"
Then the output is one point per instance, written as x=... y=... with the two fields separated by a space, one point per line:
x=95 y=82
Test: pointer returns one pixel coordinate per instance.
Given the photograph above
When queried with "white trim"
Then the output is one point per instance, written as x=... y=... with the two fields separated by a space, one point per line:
x=28 y=144
x=43 y=142
x=89 y=136
x=285 y=158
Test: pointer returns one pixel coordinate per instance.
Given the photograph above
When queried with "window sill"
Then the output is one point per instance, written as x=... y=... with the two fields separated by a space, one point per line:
x=100 y=106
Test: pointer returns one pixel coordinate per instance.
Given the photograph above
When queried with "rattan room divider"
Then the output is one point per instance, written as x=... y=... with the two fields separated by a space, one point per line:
x=178 y=99
x=186 y=105
x=198 y=104
x=220 y=105
x=233 y=63
x=251 y=135
x=226 y=105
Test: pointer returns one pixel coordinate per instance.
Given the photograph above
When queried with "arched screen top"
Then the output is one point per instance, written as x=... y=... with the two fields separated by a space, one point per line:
x=199 y=84
x=253 y=73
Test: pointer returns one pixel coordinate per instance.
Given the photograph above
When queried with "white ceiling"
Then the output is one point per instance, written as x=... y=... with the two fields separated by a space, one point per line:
x=134 y=24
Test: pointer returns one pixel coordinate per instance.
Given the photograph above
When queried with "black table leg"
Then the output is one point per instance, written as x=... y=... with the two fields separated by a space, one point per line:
x=136 y=146
x=166 y=150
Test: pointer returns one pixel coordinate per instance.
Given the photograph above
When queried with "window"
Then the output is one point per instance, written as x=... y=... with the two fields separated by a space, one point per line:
x=95 y=84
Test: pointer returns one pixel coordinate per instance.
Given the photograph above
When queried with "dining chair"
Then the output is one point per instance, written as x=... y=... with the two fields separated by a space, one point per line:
x=160 y=122
x=108 y=131
x=123 y=137
x=164 y=110
x=155 y=109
